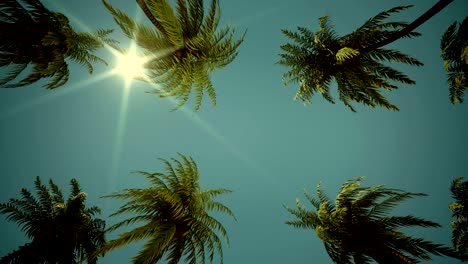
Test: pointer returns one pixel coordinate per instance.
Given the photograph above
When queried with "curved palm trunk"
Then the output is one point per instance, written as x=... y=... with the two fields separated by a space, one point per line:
x=151 y=17
x=419 y=21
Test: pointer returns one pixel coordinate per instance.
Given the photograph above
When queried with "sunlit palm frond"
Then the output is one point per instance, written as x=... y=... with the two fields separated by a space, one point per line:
x=185 y=47
x=315 y=59
x=174 y=215
x=358 y=229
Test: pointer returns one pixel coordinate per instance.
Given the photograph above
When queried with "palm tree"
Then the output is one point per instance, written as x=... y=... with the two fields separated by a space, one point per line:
x=183 y=48
x=174 y=216
x=61 y=231
x=454 y=46
x=31 y=36
x=355 y=61
x=356 y=228
x=459 y=189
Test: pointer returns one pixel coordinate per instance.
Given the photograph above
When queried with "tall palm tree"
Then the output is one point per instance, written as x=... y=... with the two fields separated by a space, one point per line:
x=183 y=47
x=31 y=36
x=459 y=207
x=356 y=228
x=61 y=231
x=454 y=46
x=174 y=215
x=355 y=61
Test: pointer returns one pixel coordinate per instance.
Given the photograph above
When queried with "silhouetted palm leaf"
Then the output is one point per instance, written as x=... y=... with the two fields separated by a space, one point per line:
x=61 y=232
x=459 y=189
x=174 y=215
x=356 y=227
x=184 y=47
x=34 y=37
x=454 y=46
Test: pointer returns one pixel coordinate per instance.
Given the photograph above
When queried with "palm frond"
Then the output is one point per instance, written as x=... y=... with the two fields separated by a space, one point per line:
x=315 y=59
x=459 y=190
x=46 y=44
x=187 y=47
x=48 y=221
x=454 y=50
x=172 y=211
x=358 y=228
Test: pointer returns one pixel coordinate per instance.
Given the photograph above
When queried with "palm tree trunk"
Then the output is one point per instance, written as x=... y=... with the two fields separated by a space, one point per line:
x=151 y=17
x=419 y=21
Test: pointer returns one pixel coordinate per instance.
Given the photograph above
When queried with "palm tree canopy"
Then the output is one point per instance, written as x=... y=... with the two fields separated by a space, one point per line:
x=61 y=231
x=459 y=189
x=315 y=59
x=184 y=47
x=454 y=46
x=31 y=36
x=174 y=218
x=357 y=228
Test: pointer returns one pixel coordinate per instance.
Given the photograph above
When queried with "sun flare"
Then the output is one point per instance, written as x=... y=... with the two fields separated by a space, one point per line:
x=130 y=64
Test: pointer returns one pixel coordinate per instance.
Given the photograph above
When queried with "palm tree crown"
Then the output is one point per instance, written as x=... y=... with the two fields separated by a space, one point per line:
x=31 y=35
x=459 y=207
x=174 y=216
x=62 y=231
x=356 y=228
x=454 y=46
x=183 y=48
x=316 y=59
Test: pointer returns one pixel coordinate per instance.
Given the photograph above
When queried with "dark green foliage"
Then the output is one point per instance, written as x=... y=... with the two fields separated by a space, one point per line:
x=459 y=207
x=173 y=212
x=35 y=39
x=357 y=228
x=454 y=46
x=316 y=59
x=61 y=231
x=184 y=46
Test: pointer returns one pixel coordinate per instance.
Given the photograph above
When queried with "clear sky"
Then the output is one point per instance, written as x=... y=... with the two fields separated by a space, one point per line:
x=257 y=141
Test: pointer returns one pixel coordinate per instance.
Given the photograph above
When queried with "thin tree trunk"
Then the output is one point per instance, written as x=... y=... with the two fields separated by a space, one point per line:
x=151 y=17
x=419 y=21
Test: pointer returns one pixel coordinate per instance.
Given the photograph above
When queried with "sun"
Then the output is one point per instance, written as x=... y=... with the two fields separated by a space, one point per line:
x=129 y=64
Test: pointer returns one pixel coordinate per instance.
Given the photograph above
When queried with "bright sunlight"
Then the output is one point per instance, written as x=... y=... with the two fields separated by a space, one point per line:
x=130 y=65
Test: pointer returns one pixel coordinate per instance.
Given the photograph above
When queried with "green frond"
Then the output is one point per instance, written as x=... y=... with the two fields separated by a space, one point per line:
x=377 y=20
x=345 y=53
x=140 y=233
x=360 y=229
x=459 y=190
x=195 y=46
x=165 y=14
x=382 y=208
x=46 y=55
x=175 y=202
x=48 y=221
x=454 y=50
x=406 y=221
x=315 y=59
x=393 y=55
x=219 y=207
x=183 y=15
x=13 y=73
x=212 y=19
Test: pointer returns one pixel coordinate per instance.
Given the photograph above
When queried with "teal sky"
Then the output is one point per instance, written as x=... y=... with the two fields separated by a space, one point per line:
x=257 y=141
